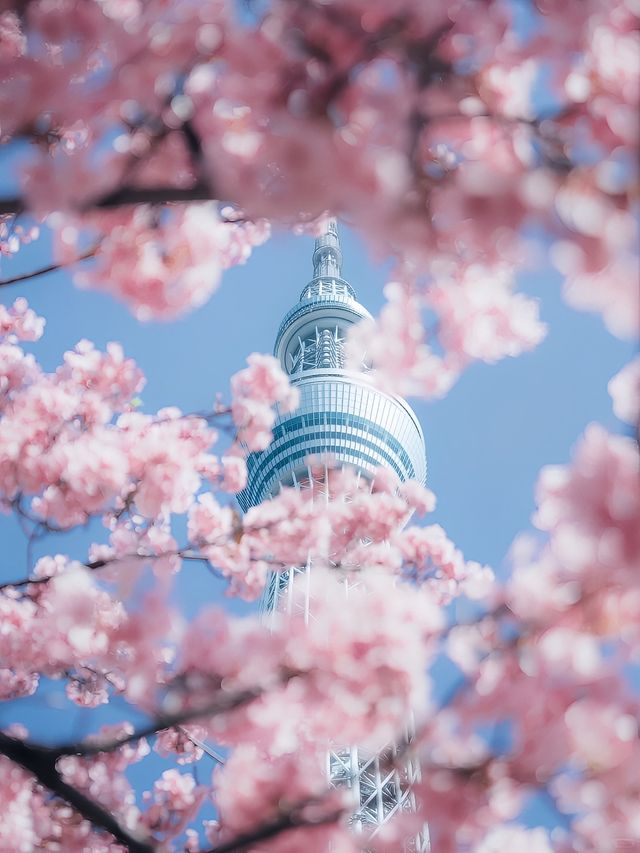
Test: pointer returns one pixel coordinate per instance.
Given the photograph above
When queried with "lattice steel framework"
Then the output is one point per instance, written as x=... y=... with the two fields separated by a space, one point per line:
x=342 y=416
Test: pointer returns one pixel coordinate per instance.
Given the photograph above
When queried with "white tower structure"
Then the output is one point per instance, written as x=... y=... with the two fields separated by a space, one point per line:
x=342 y=416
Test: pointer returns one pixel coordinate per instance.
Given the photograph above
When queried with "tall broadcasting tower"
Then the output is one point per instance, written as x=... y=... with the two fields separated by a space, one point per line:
x=341 y=415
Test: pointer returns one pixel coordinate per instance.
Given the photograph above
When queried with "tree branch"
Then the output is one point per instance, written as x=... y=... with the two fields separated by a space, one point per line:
x=182 y=553
x=129 y=196
x=49 y=269
x=153 y=195
x=219 y=705
x=41 y=763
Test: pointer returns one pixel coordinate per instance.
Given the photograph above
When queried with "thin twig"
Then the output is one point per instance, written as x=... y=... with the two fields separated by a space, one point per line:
x=182 y=553
x=220 y=705
x=48 y=269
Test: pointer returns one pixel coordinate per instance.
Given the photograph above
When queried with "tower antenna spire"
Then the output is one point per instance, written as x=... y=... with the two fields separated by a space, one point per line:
x=327 y=254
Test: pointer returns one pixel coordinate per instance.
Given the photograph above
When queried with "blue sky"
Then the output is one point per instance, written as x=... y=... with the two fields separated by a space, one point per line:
x=486 y=440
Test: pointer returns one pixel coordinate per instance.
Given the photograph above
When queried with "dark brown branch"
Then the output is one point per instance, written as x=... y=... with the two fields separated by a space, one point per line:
x=153 y=195
x=41 y=763
x=129 y=196
x=220 y=705
x=11 y=205
x=49 y=269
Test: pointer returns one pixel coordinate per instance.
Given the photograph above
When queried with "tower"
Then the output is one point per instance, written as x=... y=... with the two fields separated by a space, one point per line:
x=341 y=415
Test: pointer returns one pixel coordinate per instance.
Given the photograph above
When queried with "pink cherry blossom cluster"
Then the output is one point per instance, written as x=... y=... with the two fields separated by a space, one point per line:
x=592 y=509
x=436 y=114
x=13 y=236
x=173 y=802
x=73 y=442
x=624 y=389
x=541 y=664
x=162 y=267
x=103 y=776
x=56 y=439
x=475 y=315
x=429 y=557
x=254 y=392
x=63 y=626
x=358 y=527
x=185 y=742
x=250 y=789
x=360 y=662
x=20 y=323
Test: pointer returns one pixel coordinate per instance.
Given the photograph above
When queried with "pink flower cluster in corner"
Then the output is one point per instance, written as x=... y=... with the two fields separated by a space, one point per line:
x=254 y=392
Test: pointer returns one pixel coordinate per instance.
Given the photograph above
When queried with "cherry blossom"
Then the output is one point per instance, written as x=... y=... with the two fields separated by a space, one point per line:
x=454 y=142
x=255 y=390
x=592 y=507
x=516 y=838
x=479 y=317
x=173 y=801
x=251 y=786
x=20 y=322
x=476 y=316
x=17 y=829
x=159 y=142
x=624 y=389
x=183 y=741
x=163 y=268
